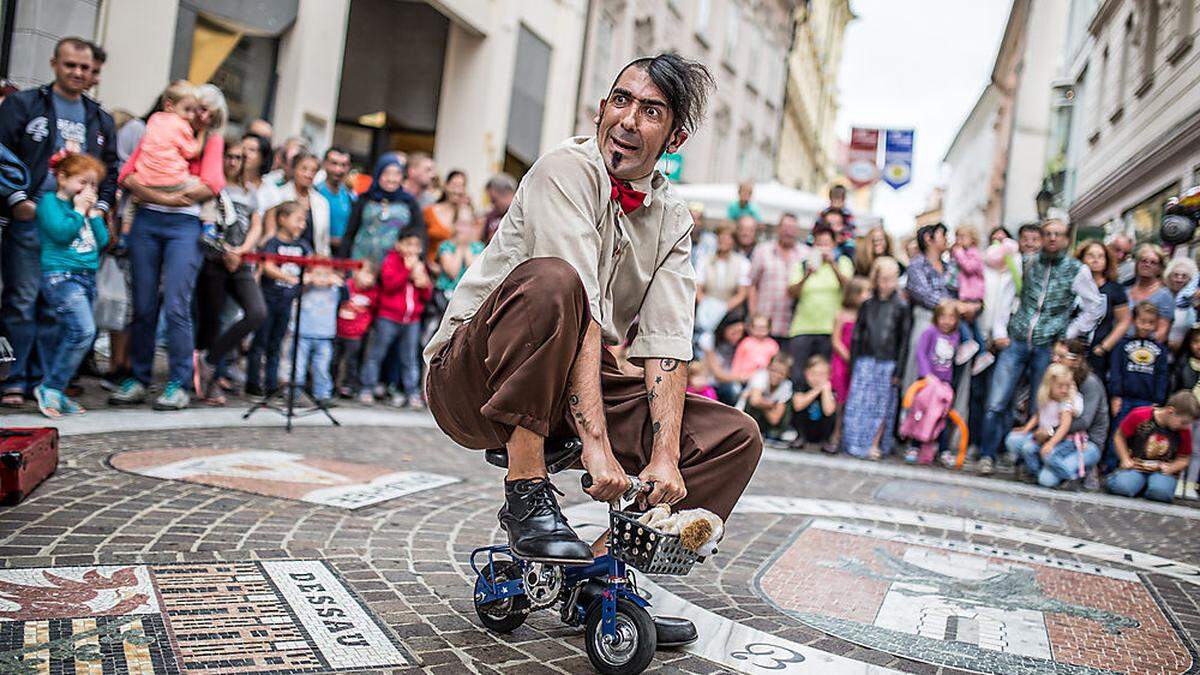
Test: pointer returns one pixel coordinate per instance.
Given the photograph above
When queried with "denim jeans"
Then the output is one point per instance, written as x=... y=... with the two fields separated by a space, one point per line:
x=164 y=253
x=27 y=318
x=268 y=344
x=71 y=295
x=1155 y=486
x=1021 y=358
x=384 y=332
x=315 y=355
x=1061 y=465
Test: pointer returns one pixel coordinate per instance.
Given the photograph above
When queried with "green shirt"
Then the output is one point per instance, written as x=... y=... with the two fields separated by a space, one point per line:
x=820 y=298
x=70 y=243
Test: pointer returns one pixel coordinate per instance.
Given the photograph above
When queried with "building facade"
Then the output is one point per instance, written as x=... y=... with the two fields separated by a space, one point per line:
x=1138 y=138
x=999 y=186
x=483 y=85
x=743 y=42
x=807 y=147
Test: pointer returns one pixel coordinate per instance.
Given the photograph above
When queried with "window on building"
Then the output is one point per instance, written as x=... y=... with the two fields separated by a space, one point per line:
x=1149 y=46
x=733 y=17
x=746 y=154
x=643 y=36
x=1123 y=70
x=606 y=25
x=527 y=107
x=1098 y=95
x=1144 y=220
x=703 y=9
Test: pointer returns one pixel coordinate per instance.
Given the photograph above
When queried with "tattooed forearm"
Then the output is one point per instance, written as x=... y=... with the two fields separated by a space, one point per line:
x=585 y=402
x=668 y=364
x=582 y=421
x=665 y=384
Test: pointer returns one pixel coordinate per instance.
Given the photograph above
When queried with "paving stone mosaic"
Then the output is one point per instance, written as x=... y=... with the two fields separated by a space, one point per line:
x=404 y=560
x=279 y=616
x=280 y=474
x=988 y=503
x=984 y=613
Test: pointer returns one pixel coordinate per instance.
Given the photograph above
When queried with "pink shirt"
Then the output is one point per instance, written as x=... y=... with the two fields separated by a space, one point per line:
x=208 y=166
x=752 y=355
x=770 y=274
x=970 y=273
x=167 y=147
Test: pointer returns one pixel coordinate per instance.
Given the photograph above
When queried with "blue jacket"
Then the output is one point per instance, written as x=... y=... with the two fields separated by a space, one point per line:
x=1139 y=370
x=28 y=127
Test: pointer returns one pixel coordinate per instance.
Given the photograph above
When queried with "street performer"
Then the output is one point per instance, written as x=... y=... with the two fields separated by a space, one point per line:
x=594 y=240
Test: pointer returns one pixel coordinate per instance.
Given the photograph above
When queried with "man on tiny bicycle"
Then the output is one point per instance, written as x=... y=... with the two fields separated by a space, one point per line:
x=594 y=242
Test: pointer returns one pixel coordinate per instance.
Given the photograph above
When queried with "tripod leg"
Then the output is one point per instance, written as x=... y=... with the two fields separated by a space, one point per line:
x=291 y=395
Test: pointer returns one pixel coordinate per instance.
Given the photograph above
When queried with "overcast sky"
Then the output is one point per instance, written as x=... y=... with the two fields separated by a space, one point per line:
x=917 y=64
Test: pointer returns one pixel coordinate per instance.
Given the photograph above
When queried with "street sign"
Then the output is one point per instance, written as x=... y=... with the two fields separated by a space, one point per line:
x=897 y=157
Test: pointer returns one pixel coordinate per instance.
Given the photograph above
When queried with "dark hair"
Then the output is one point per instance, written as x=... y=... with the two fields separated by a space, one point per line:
x=822 y=228
x=1080 y=350
x=836 y=190
x=1185 y=349
x=450 y=176
x=1110 y=258
x=76 y=42
x=98 y=53
x=685 y=84
x=1029 y=227
x=926 y=233
x=335 y=148
x=264 y=153
x=1145 y=307
x=302 y=155
x=998 y=228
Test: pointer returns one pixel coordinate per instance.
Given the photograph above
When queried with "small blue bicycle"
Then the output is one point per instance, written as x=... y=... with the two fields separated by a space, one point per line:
x=602 y=596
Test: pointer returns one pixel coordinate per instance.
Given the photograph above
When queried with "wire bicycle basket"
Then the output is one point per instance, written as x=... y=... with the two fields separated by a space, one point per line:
x=649 y=550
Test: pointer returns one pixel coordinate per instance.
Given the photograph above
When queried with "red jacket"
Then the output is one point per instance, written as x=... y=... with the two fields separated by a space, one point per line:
x=399 y=300
x=355 y=314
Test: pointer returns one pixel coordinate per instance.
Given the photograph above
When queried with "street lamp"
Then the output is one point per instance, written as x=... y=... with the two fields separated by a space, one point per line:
x=1044 y=199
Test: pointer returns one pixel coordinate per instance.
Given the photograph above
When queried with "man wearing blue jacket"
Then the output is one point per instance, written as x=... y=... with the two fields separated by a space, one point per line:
x=38 y=124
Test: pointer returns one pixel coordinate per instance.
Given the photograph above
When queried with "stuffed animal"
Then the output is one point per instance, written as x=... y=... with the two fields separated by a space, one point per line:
x=699 y=530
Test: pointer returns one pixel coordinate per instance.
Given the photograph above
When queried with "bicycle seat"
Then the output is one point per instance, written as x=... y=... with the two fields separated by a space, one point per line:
x=561 y=453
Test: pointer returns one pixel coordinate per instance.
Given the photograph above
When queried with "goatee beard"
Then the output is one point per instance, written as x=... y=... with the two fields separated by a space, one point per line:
x=617 y=158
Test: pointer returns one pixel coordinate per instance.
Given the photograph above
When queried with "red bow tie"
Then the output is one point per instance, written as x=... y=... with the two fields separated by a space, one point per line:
x=624 y=194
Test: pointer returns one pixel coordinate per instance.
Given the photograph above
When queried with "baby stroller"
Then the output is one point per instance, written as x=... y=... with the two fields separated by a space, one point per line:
x=927 y=404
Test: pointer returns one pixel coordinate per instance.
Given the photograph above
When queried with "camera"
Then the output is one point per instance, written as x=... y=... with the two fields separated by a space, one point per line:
x=1180 y=217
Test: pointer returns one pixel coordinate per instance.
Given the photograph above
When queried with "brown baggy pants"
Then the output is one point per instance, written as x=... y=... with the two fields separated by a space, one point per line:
x=509 y=367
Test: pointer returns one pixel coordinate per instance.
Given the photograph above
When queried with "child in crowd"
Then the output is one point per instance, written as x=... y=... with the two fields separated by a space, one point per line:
x=936 y=350
x=359 y=297
x=767 y=397
x=967 y=263
x=699 y=382
x=1186 y=376
x=755 y=350
x=854 y=294
x=404 y=288
x=1153 y=444
x=1050 y=453
x=879 y=343
x=72 y=234
x=719 y=360
x=1139 y=371
x=280 y=284
x=318 y=327
x=167 y=146
x=814 y=407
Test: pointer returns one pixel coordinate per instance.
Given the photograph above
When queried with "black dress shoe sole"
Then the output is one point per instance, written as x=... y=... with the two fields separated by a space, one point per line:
x=674 y=631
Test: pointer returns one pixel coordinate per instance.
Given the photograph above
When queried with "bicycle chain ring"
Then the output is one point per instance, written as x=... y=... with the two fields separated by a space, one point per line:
x=543 y=583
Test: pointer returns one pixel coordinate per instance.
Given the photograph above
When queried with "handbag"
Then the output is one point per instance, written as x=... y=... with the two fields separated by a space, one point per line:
x=112 y=296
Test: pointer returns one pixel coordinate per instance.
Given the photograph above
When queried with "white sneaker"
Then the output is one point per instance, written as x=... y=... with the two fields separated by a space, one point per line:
x=965 y=351
x=983 y=362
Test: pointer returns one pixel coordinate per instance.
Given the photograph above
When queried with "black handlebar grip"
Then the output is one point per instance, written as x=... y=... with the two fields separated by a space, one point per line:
x=586 y=481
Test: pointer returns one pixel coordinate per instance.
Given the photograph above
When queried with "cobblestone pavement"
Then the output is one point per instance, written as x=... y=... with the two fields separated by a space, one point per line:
x=164 y=568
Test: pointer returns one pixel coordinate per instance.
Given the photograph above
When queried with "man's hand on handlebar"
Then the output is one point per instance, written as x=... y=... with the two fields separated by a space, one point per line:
x=608 y=478
x=668 y=483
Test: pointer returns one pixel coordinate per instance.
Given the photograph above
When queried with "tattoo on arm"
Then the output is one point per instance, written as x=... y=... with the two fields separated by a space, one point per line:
x=581 y=420
x=668 y=364
x=654 y=429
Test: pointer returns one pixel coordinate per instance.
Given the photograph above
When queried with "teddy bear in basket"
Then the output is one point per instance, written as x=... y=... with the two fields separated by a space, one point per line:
x=699 y=530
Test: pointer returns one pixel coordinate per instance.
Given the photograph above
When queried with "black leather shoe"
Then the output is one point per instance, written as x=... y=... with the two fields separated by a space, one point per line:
x=537 y=529
x=674 y=631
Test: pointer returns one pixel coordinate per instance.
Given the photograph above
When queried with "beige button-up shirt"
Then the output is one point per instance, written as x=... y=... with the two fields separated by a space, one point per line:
x=632 y=266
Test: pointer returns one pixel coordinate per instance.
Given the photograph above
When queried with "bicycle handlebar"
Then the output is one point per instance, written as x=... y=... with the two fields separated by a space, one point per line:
x=636 y=486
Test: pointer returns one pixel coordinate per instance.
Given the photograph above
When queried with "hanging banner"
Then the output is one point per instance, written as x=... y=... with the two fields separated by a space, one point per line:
x=862 y=166
x=897 y=157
